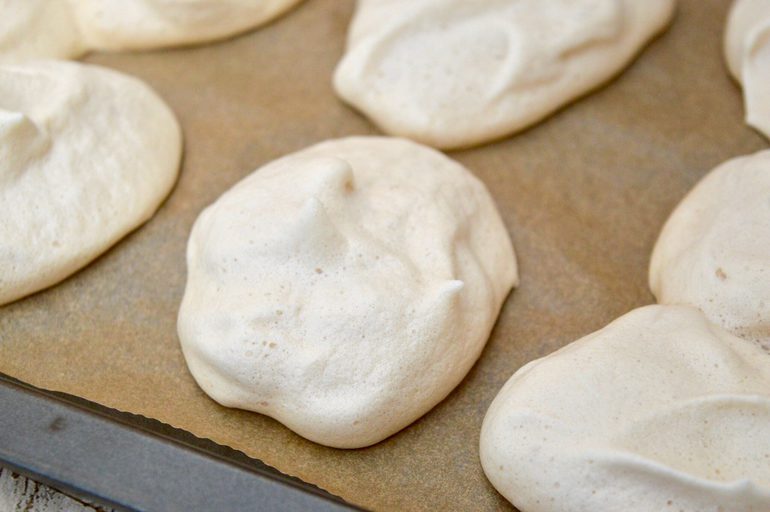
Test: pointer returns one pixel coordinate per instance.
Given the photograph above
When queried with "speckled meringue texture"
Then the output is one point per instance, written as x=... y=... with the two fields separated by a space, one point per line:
x=714 y=251
x=86 y=155
x=747 y=49
x=453 y=73
x=346 y=289
x=69 y=28
x=660 y=410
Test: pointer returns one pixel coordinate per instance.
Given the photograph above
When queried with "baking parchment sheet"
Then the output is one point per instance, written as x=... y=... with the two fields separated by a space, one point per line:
x=583 y=195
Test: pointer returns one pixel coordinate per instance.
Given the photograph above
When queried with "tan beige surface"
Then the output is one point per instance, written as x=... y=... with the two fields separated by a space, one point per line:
x=584 y=195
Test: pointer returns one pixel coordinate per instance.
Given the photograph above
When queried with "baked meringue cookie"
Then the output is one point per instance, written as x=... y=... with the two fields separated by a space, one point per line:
x=747 y=48
x=346 y=289
x=35 y=29
x=453 y=73
x=86 y=155
x=660 y=410
x=714 y=251
x=146 y=24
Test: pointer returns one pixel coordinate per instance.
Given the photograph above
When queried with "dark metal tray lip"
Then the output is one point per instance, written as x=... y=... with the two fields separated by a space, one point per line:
x=19 y=399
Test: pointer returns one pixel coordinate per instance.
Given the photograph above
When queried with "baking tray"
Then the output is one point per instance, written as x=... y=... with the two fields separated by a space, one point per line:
x=132 y=463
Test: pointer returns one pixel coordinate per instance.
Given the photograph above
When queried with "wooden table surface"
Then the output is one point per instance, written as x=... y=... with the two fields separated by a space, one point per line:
x=20 y=494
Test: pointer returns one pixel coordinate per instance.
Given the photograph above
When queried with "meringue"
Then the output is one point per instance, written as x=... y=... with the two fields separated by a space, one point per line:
x=452 y=73
x=35 y=29
x=86 y=155
x=145 y=24
x=747 y=50
x=346 y=289
x=714 y=251
x=660 y=410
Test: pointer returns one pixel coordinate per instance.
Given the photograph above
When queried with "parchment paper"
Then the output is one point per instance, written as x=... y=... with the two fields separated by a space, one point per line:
x=583 y=195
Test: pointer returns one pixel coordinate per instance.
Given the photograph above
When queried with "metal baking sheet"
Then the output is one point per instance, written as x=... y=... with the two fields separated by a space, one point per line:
x=132 y=463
